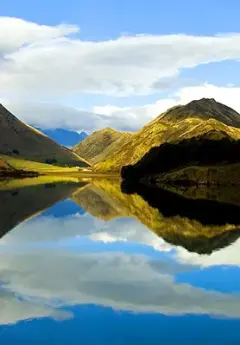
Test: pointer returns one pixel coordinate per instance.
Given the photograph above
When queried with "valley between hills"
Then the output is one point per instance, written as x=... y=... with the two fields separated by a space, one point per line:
x=197 y=143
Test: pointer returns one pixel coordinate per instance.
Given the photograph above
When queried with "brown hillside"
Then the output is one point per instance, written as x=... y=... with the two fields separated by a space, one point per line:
x=20 y=140
x=97 y=146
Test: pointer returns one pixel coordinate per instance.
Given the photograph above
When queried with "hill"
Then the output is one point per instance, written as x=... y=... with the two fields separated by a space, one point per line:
x=63 y=136
x=204 y=117
x=21 y=140
x=101 y=144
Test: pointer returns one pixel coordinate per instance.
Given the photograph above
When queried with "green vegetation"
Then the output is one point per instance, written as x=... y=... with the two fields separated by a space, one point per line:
x=97 y=146
x=27 y=165
x=211 y=151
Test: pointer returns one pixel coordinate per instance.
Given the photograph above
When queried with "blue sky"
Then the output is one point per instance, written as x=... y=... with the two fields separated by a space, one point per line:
x=108 y=19
x=86 y=76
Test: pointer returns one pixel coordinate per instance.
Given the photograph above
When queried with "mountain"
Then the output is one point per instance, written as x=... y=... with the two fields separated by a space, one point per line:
x=204 y=117
x=101 y=144
x=63 y=136
x=21 y=140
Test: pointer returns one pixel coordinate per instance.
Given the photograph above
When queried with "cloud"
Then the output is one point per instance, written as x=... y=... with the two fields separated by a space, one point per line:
x=226 y=256
x=14 y=310
x=47 y=115
x=50 y=229
x=48 y=61
x=136 y=117
x=17 y=33
x=58 y=277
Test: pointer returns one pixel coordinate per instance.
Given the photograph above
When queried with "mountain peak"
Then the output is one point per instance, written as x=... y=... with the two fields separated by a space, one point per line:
x=204 y=109
x=5 y=113
x=204 y=104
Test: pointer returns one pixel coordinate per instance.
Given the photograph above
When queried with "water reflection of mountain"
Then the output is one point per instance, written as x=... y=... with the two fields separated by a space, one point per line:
x=18 y=203
x=201 y=226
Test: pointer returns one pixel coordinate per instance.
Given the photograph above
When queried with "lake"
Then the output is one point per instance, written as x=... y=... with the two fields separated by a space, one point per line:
x=90 y=262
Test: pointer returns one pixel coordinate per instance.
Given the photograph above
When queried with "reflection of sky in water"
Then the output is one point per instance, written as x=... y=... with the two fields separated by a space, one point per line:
x=116 y=282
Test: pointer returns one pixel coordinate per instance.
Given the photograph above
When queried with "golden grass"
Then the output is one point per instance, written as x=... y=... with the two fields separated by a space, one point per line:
x=26 y=165
x=101 y=144
x=6 y=184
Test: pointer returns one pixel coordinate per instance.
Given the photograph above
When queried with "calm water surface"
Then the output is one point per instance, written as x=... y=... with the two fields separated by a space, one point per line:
x=84 y=263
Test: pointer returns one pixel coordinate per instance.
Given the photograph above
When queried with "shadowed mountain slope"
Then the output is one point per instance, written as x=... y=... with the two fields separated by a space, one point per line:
x=210 y=160
x=20 y=140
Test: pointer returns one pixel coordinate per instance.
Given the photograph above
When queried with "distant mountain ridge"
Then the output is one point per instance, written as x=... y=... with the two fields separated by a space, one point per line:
x=63 y=136
x=204 y=117
x=21 y=140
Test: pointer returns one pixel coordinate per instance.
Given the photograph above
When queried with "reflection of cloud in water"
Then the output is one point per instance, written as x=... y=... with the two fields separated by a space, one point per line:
x=13 y=309
x=57 y=277
x=226 y=256
x=48 y=229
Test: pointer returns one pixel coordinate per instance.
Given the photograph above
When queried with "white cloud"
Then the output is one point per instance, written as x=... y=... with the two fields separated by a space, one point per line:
x=49 y=115
x=226 y=256
x=14 y=310
x=50 y=229
x=16 y=33
x=56 y=230
x=45 y=60
x=228 y=95
x=117 y=280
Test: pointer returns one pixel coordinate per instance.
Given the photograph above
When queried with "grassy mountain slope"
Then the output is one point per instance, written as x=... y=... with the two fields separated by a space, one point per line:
x=101 y=144
x=105 y=200
x=195 y=119
x=16 y=166
x=20 y=140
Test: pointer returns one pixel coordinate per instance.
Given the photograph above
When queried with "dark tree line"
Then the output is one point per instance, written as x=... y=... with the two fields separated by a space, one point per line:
x=194 y=151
